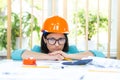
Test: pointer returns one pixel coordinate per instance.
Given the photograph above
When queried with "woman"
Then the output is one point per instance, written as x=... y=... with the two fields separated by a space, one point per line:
x=54 y=44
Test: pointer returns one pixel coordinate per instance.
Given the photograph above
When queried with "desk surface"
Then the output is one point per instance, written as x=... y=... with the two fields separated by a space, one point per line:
x=54 y=70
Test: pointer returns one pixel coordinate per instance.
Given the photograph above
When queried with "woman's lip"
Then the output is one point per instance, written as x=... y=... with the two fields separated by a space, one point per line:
x=56 y=49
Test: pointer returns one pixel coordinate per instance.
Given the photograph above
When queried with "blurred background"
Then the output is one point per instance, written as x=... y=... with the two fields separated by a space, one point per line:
x=94 y=24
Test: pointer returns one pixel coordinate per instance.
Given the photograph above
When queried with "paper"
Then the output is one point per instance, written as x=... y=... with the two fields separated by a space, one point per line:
x=104 y=62
x=14 y=70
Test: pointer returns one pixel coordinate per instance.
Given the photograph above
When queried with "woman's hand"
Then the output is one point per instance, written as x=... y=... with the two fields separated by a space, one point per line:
x=59 y=53
x=55 y=56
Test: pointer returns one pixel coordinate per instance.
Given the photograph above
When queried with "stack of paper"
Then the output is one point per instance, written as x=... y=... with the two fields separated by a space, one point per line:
x=104 y=62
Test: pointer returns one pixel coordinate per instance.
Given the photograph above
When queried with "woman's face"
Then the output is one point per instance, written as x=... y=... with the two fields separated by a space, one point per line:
x=55 y=41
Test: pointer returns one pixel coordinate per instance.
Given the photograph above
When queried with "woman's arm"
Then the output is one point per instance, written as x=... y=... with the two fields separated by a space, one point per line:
x=40 y=56
x=73 y=56
x=79 y=55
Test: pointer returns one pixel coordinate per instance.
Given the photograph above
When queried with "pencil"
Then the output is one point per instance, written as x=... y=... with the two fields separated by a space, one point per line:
x=30 y=66
x=67 y=59
x=113 y=71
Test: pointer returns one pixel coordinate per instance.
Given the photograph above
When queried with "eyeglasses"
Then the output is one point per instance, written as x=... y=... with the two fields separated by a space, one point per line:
x=53 y=41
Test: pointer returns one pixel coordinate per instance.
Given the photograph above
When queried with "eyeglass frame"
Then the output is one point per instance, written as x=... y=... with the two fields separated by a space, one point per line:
x=56 y=40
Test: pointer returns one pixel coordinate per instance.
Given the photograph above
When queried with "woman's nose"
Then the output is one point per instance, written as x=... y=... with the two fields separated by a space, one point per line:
x=56 y=44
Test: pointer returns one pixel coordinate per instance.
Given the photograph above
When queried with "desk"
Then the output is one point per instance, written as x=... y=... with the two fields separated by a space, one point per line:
x=15 y=70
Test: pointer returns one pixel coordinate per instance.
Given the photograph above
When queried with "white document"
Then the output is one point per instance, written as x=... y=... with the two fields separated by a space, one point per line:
x=104 y=62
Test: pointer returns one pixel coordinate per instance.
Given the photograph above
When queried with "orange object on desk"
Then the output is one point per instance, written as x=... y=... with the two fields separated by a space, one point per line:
x=29 y=61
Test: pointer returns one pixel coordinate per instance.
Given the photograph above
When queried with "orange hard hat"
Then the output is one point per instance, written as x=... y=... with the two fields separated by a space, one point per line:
x=55 y=24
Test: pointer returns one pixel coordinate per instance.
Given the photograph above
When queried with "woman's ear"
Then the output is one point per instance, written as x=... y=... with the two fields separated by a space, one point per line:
x=45 y=40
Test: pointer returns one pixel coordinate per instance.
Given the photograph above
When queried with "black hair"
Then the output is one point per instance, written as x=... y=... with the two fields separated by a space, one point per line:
x=44 y=48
